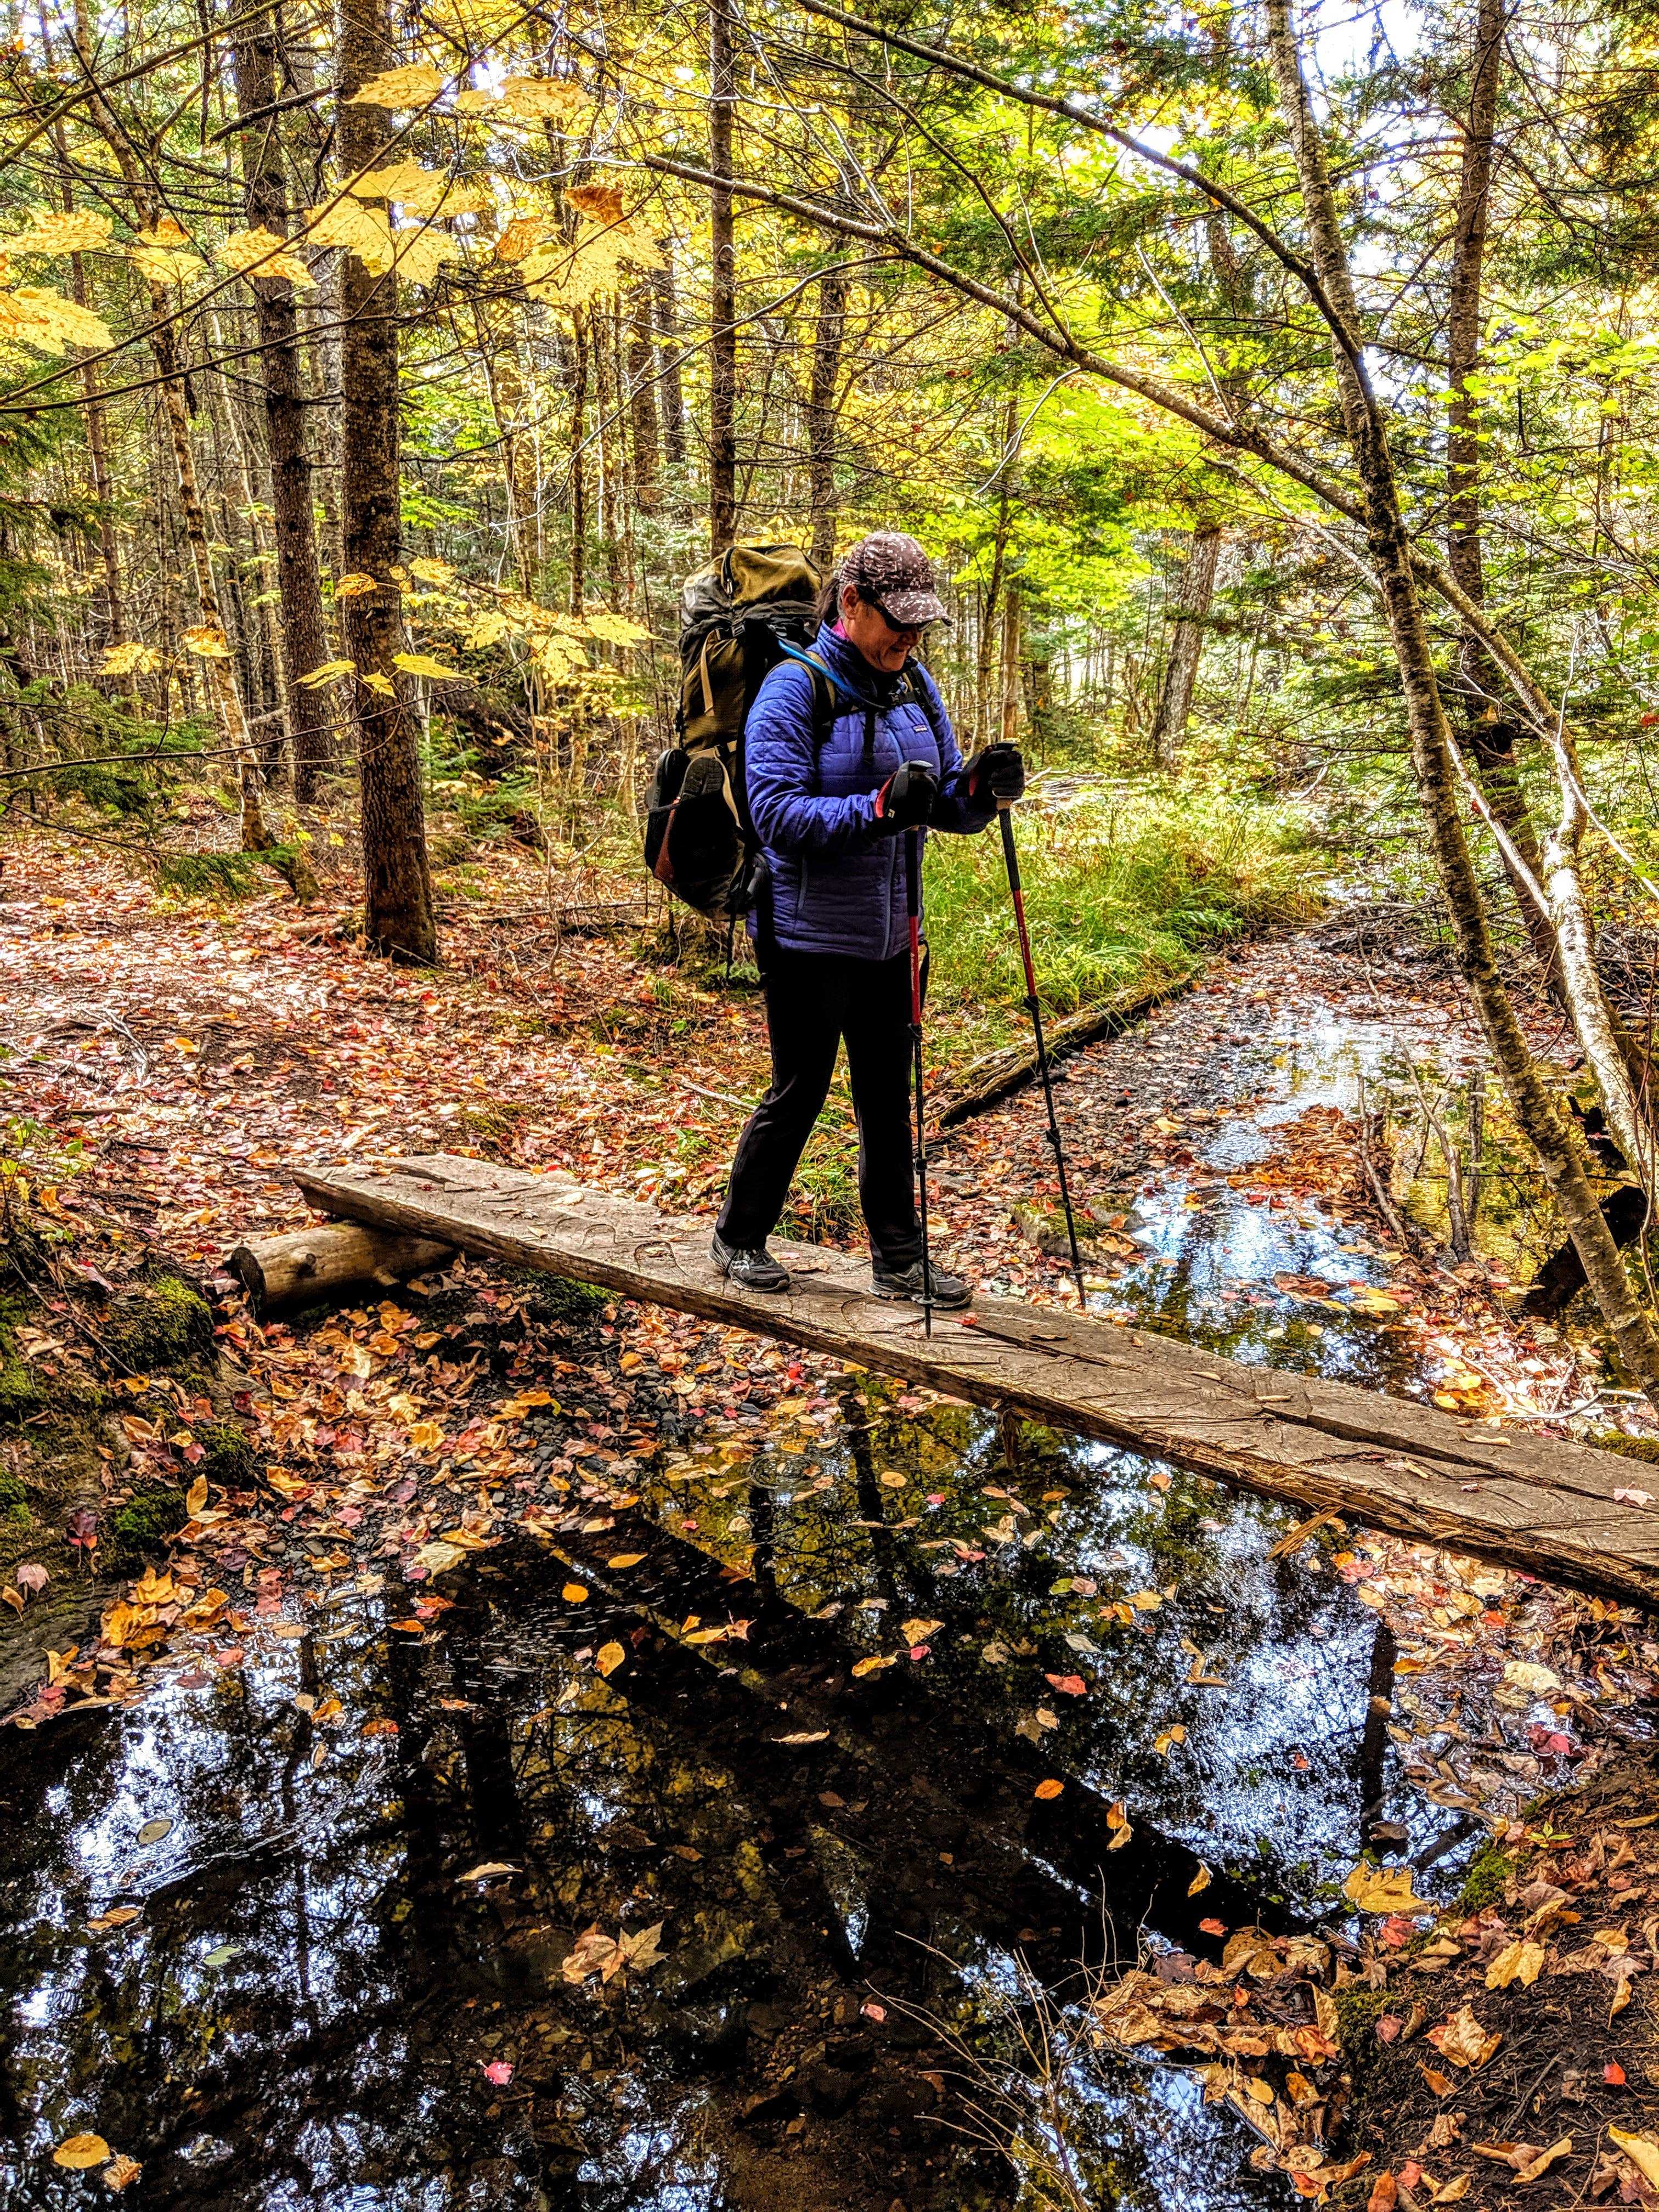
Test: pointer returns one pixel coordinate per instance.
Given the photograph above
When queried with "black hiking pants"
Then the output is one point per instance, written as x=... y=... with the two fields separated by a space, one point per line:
x=814 y=1000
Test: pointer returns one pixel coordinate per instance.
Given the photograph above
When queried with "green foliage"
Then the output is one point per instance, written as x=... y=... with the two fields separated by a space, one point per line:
x=13 y=1499
x=141 y=1528
x=1120 y=889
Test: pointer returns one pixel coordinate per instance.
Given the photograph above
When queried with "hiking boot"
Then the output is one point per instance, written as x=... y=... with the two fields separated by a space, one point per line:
x=949 y=1291
x=754 y=1267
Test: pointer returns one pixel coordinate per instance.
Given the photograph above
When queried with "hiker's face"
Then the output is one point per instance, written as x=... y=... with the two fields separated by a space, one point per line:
x=882 y=644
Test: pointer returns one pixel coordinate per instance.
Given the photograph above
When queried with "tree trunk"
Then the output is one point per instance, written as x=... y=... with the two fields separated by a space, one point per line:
x=1174 y=699
x=398 y=917
x=667 y=320
x=1490 y=735
x=265 y=201
x=1010 y=612
x=723 y=289
x=821 y=416
x=1432 y=759
x=643 y=400
x=579 y=326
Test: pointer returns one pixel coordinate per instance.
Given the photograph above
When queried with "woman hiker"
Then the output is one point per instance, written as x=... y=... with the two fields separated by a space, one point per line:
x=832 y=789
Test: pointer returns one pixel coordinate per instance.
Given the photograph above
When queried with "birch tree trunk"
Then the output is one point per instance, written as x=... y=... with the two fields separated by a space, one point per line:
x=1432 y=759
x=579 y=464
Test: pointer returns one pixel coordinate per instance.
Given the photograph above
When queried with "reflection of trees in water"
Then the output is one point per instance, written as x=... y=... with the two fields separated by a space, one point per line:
x=342 y=2052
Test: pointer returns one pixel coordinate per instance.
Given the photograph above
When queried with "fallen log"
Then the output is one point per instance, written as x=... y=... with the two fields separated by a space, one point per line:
x=318 y=1263
x=984 y=1082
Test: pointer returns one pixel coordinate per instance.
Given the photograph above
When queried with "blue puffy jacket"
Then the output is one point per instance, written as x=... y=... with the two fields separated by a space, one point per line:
x=837 y=882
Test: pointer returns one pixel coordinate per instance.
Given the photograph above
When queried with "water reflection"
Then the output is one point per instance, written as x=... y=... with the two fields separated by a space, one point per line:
x=303 y=2012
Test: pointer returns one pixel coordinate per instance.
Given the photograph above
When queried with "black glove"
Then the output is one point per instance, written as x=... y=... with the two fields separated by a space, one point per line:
x=998 y=774
x=906 y=799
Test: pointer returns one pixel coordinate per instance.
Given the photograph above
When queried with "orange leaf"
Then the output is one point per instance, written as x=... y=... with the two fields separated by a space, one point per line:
x=1049 y=1789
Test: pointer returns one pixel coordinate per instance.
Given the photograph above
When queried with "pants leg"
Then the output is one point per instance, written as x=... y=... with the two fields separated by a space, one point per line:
x=877 y=1025
x=805 y=994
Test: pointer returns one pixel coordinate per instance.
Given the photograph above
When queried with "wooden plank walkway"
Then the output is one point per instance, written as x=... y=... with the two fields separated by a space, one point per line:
x=1529 y=1502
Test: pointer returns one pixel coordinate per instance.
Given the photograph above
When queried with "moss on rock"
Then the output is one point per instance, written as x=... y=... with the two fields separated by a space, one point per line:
x=160 y=1323
x=140 y=1527
x=227 y=1456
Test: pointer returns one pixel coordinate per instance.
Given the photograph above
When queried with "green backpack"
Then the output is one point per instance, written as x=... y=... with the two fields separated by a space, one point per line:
x=736 y=616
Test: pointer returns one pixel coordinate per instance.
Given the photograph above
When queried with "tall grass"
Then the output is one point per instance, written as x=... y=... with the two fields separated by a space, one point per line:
x=1121 y=888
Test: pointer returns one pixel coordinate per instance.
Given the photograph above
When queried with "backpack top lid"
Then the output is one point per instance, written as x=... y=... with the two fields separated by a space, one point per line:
x=752 y=573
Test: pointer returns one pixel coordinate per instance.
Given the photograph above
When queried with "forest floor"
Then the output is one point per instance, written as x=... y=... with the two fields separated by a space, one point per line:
x=321 y=1480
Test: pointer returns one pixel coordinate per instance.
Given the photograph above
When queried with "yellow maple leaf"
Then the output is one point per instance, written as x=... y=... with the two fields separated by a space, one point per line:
x=355 y=587
x=208 y=640
x=421 y=253
x=524 y=232
x=536 y=98
x=364 y=231
x=423 y=664
x=488 y=628
x=430 y=571
x=423 y=191
x=330 y=673
x=475 y=100
x=52 y=231
x=162 y=266
x=411 y=86
x=383 y=685
x=262 y=253
x=49 y=322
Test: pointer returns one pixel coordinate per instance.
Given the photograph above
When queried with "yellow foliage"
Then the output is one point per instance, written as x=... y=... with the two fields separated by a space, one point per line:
x=424 y=191
x=488 y=628
x=330 y=673
x=524 y=232
x=129 y=660
x=208 y=640
x=423 y=664
x=421 y=253
x=426 y=570
x=616 y=629
x=412 y=86
x=49 y=322
x=51 y=232
x=244 y=249
x=355 y=587
x=535 y=98
x=376 y=682
x=160 y=266
x=364 y=231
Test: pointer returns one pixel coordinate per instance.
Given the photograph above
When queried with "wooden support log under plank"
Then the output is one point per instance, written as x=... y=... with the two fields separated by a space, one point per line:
x=279 y=1273
x=1529 y=1502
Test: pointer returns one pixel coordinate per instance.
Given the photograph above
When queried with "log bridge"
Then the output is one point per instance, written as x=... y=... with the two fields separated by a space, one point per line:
x=1539 y=1504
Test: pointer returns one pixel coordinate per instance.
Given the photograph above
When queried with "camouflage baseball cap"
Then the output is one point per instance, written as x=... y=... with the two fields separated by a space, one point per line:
x=893 y=573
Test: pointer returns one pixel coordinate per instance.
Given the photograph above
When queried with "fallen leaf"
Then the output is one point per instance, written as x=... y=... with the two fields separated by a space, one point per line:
x=609 y=1657
x=805 y=1735
x=380 y=1728
x=1383 y=1889
x=626 y=1559
x=1526 y=1674
x=499 y=2071
x=120 y=2172
x=1463 y=2040
x=1521 y=1961
x=1049 y=1789
x=573 y=1593
x=80 y=2152
x=1383 y=2195
x=1069 y=1685
x=1213 y=1927
x=871 y=1666
x=1440 y=2085
x=1633 y=1497
x=154 y=1831
x=1545 y=2158
x=1641 y=2150
x=918 y=1632
x=30 y=1577
x=487 y=1869
x=1201 y=1881
x=195 y=1496
x=1614 y=2073
x=117 y=1917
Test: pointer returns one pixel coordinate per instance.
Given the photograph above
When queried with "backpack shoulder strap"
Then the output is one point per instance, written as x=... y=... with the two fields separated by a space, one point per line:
x=828 y=694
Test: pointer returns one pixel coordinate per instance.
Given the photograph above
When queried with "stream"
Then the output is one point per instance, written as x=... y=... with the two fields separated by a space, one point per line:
x=746 y=1875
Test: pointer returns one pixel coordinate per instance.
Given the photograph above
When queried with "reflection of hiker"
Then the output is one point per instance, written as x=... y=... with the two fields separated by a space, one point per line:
x=831 y=788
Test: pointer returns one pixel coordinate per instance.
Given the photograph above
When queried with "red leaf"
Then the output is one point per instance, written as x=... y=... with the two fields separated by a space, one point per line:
x=1073 y=1685
x=498 y=2071
x=1388 y=2027
x=1384 y=2194
x=1213 y=1927
x=1614 y=2072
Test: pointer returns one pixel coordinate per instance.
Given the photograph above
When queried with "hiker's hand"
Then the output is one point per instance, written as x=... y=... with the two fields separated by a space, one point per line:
x=906 y=799
x=998 y=774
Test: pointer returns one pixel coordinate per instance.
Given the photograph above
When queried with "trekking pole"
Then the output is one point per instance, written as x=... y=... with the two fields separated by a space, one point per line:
x=912 y=907
x=1005 y=815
